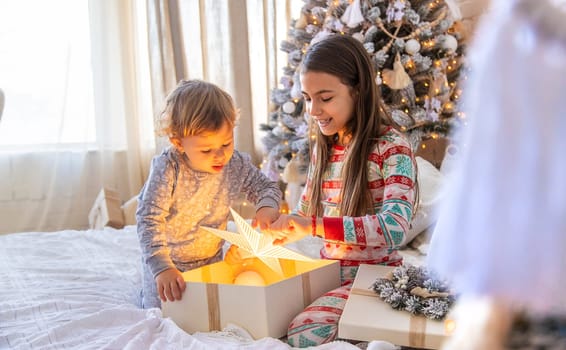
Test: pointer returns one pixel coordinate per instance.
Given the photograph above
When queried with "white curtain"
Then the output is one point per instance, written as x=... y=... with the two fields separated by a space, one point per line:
x=139 y=51
x=52 y=185
x=121 y=88
x=232 y=43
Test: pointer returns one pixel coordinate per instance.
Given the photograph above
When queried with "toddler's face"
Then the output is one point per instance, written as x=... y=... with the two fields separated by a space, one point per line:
x=210 y=151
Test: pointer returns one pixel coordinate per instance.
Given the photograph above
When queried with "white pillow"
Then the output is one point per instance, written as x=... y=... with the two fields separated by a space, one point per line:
x=430 y=181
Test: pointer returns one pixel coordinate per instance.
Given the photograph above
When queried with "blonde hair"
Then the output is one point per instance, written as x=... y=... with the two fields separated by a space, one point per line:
x=195 y=106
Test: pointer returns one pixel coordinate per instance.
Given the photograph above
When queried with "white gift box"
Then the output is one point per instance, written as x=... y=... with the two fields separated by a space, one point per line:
x=211 y=300
x=366 y=317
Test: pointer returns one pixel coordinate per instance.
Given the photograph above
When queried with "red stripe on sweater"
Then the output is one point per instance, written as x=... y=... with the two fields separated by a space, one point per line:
x=360 y=232
x=372 y=185
x=334 y=310
x=376 y=158
x=332 y=184
x=336 y=158
x=333 y=228
x=399 y=179
x=396 y=150
x=369 y=262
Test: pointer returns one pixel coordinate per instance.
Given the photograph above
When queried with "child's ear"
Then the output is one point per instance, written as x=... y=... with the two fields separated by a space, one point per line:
x=176 y=143
x=354 y=92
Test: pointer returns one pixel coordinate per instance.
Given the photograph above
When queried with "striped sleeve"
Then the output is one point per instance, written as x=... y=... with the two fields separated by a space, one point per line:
x=387 y=227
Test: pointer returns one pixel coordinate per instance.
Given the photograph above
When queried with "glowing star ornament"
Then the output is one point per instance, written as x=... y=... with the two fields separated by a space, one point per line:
x=257 y=244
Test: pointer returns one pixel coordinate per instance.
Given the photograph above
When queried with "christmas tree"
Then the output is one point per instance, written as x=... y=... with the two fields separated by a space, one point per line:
x=416 y=49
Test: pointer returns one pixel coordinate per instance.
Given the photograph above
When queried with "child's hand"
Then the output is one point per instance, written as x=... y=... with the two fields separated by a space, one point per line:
x=170 y=285
x=233 y=255
x=264 y=217
x=289 y=228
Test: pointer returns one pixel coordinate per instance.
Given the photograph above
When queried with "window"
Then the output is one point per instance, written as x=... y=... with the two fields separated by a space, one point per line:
x=46 y=74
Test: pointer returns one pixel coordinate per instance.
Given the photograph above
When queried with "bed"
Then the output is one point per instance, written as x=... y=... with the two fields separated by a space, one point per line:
x=80 y=290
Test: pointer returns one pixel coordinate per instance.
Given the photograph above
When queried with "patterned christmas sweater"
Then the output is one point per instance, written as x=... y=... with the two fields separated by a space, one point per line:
x=373 y=238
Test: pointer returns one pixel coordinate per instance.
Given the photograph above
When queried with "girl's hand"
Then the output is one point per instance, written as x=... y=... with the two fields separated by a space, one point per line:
x=170 y=285
x=264 y=217
x=290 y=228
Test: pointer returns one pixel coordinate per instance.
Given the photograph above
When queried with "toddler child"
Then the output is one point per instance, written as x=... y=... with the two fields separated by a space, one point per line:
x=192 y=184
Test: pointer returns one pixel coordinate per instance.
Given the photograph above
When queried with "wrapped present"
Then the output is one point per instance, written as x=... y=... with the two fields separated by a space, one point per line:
x=366 y=317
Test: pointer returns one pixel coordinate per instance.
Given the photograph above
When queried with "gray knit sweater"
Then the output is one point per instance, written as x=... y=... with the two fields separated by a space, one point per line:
x=176 y=200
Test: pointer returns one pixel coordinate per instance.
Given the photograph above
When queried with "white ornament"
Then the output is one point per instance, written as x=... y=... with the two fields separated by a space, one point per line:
x=283 y=162
x=296 y=89
x=454 y=9
x=277 y=131
x=396 y=78
x=449 y=43
x=378 y=80
x=353 y=14
x=412 y=46
x=249 y=278
x=288 y=107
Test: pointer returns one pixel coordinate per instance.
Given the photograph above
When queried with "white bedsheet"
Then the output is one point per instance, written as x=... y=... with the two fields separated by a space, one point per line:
x=79 y=290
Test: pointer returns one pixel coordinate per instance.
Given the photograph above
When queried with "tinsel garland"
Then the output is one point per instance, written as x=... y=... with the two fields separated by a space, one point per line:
x=416 y=290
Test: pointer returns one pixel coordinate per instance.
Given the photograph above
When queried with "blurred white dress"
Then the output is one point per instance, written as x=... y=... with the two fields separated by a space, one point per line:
x=502 y=226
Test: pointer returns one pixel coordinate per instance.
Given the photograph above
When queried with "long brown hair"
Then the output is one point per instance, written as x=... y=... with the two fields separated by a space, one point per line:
x=347 y=59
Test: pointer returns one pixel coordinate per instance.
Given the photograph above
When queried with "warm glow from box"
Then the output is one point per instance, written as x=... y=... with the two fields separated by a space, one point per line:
x=224 y=273
x=449 y=326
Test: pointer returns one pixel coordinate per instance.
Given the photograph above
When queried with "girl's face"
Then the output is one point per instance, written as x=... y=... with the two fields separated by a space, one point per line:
x=328 y=101
x=209 y=151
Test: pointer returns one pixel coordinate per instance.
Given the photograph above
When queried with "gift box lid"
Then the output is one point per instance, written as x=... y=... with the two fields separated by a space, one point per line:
x=366 y=317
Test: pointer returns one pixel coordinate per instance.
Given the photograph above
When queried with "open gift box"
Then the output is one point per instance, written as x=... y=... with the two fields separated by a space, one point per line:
x=280 y=284
x=211 y=300
x=366 y=317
